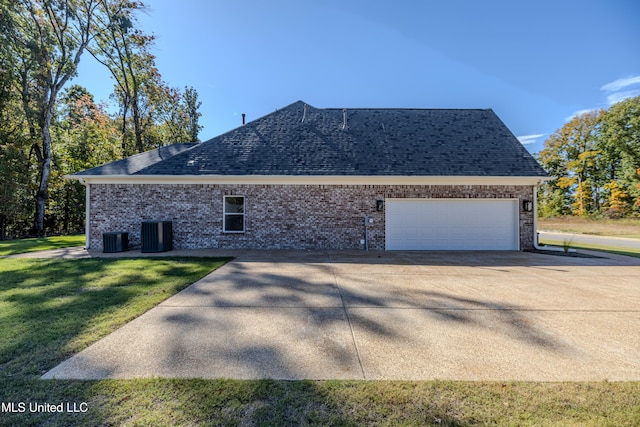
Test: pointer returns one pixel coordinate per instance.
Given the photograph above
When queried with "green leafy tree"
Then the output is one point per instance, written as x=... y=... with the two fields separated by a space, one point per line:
x=84 y=137
x=191 y=106
x=16 y=186
x=178 y=115
x=55 y=33
x=48 y=129
x=126 y=52
x=152 y=113
x=88 y=136
x=15 y=169
x=571 y=155
x=620 y=139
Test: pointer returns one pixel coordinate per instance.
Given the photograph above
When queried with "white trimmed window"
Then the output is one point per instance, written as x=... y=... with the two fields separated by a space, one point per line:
x=233 y=214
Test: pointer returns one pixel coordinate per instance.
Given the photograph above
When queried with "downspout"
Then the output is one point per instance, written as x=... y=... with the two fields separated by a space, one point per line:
x=535 y=217
x=87 y=227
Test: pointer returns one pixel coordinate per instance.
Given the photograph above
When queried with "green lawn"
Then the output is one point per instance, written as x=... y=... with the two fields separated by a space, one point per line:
x=633 y=252
x=50 y=309
x=12 y=247
x=624 y=227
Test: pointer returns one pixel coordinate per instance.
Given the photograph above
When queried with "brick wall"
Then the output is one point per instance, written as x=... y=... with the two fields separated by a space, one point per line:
x=277 y=216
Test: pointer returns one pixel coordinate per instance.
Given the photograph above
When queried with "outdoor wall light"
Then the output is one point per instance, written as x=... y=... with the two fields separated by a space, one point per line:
x=379 y=205
x=527 y=205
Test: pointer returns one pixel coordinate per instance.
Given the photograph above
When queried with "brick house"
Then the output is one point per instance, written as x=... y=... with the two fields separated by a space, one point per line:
x=309 y=178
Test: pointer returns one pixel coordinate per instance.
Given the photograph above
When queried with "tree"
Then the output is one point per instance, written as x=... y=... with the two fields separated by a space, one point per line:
x=620 y=139
x=618 y=200
x=125 y=51
x=572 y=156
x=55 y=33
x=15 y=170
x=14 y=163
x=84 y=137
x=151 y=112
x=177 y=115
x=86 y=134
x=192 y=106
x=595 y=159
x=48 y=129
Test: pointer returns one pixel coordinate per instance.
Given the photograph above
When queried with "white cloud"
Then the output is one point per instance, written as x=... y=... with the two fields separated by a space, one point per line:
x=615 y=94
x=621 y=83
x=579 y=113
x=529 y=139
x=615 y=89
x=621 y=96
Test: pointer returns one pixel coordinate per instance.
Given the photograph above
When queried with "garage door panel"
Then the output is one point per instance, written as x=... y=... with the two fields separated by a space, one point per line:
x=451 y=224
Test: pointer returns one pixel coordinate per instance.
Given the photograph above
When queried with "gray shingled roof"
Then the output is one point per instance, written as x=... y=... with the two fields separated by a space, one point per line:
x=383 y=142
x=134 y=164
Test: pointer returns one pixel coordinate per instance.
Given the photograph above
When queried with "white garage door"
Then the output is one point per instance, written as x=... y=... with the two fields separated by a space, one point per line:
x=451 y=224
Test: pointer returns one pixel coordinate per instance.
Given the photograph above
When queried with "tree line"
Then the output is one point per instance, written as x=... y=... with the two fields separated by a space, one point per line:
x=594 y=160
x=50 y=127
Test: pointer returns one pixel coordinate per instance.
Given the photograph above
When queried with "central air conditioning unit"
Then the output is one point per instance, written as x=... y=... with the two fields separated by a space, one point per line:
x=117 y=241
x=157 y=236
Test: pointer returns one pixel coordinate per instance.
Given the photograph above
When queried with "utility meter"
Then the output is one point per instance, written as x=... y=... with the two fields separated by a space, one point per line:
x=368 y=221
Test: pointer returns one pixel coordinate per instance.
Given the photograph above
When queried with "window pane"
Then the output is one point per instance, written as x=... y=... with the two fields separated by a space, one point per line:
x=234 y=204
x=234 y=223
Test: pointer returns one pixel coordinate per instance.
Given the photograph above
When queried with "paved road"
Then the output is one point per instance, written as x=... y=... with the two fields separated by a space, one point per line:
x=590 y=239
x=387 y=315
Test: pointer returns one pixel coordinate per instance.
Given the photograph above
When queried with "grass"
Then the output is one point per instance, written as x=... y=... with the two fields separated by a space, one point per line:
x=633 y=252
x=195 y=402
x=50 y=309
x=627 y=227
x=12 y=247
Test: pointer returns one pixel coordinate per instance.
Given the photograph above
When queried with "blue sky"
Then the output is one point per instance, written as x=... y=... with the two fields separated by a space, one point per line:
x=535 y=63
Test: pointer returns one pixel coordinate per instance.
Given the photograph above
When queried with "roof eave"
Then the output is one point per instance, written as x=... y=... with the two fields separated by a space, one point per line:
x=310 y=179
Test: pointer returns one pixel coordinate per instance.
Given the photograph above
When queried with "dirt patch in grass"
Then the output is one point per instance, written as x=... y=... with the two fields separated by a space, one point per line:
x=628 y=227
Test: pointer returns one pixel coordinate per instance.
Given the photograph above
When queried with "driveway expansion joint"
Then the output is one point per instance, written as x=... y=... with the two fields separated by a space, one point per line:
x=346 y=313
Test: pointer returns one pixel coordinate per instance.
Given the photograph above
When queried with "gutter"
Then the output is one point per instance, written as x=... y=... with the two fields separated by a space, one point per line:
x=308 y=179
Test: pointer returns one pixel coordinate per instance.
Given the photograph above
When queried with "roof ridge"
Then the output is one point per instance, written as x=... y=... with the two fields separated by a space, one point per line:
x=186 y=150
x=407 y=108
x=129 y=163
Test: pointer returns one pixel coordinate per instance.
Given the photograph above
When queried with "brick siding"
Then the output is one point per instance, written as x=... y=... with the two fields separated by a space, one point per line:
x=277 y=216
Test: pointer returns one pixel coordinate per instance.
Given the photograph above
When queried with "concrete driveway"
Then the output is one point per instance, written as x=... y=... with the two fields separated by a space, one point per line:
x=387 y=315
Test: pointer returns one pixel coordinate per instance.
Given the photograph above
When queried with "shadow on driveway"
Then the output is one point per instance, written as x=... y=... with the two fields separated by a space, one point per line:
x=387 y=315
